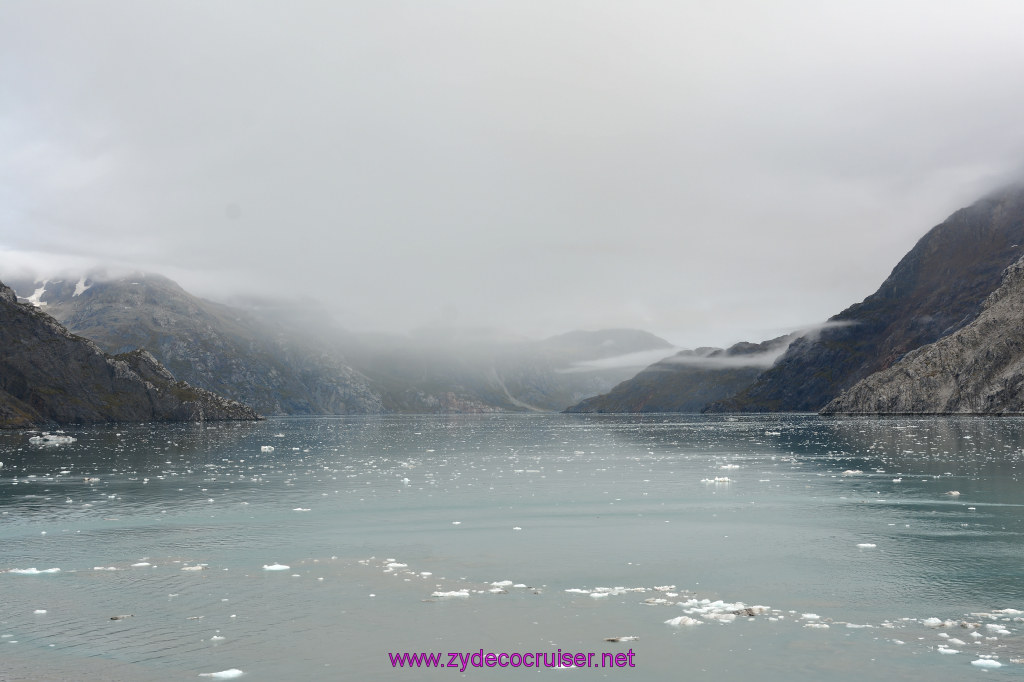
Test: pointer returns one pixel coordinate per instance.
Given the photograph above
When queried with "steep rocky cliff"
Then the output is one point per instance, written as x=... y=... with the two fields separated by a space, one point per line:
x=936 y=289
x=978 y=369
x=50 y=376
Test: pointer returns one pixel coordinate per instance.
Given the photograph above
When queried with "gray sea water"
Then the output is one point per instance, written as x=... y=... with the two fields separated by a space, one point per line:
x=169 y=552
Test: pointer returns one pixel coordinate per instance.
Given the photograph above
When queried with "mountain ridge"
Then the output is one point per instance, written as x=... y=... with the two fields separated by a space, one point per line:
x=978 y=369
x=50 y=376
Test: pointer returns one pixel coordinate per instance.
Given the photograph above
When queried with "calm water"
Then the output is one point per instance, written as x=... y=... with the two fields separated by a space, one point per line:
x=185 y=550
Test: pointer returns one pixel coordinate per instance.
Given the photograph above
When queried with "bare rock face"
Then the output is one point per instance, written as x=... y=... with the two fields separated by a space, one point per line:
x=50 y=376
x=976 y=370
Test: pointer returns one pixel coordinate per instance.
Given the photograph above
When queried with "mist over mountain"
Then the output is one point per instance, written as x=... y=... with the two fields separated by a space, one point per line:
x=500 y=374
x=689 y=380
x=50 y=376
x=935 y=289
x=222 y=349
x=291 y=360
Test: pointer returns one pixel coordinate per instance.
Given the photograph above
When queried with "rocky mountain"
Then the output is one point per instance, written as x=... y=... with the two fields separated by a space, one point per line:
x=233 y=352
x=936 y=289
x=50 y=376
x=689 y=380
x=979 y=369
x=286 y=361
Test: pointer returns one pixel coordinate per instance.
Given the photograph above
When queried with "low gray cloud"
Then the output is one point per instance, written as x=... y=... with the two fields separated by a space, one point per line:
x=709 y=172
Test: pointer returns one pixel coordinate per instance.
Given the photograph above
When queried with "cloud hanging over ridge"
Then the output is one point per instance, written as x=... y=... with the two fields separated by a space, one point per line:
x=710 y=173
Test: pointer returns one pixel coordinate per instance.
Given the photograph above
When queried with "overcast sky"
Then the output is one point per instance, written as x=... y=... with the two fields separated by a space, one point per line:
x=708 y=171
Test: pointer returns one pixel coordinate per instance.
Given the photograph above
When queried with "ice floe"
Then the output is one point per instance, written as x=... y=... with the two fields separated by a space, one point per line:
x=33 y=571
x=229 y=674
x=51 y=439
x=276 y=567
x=986 y=663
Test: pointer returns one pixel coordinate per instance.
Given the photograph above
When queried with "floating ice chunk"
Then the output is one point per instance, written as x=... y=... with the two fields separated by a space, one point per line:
x=986 y=663
x=217 y=638
x=852 y=472
x=395 y=564
x=936 y=623
x=819 y=626
x=104 y=568
x=956 y=642
x=141 y=564
x=200 y=567
x=683 y=621
x=516 y=528
x=599 y=595
x=224 y=674
x=266 y=448
x=275 y=567
x=51 y=439
x=627 y=638
x=576 y=590
x=33 y=571
x=456 y=523
x=453 y=593
x=502 y=583
x=723 y=617
x=810 y=616
x=39 y=612
x=773 y=433
x=946 y=650
x=867 y=545
x=729 y=466
x=301 y=509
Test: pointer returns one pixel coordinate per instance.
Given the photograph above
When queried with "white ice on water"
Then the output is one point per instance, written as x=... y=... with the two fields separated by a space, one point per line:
x=986 y=663
x=229 y=674
x=51 y=439
x=275 y=567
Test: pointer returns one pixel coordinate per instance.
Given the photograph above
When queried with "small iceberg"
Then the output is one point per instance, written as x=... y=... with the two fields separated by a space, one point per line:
x=683 y=621
x=275 y=567
x=33 y=571
x=229 y=674
x=986 y=663
x=266 y=448
x=453 y=593
x=51 y=439
x=867 y=545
